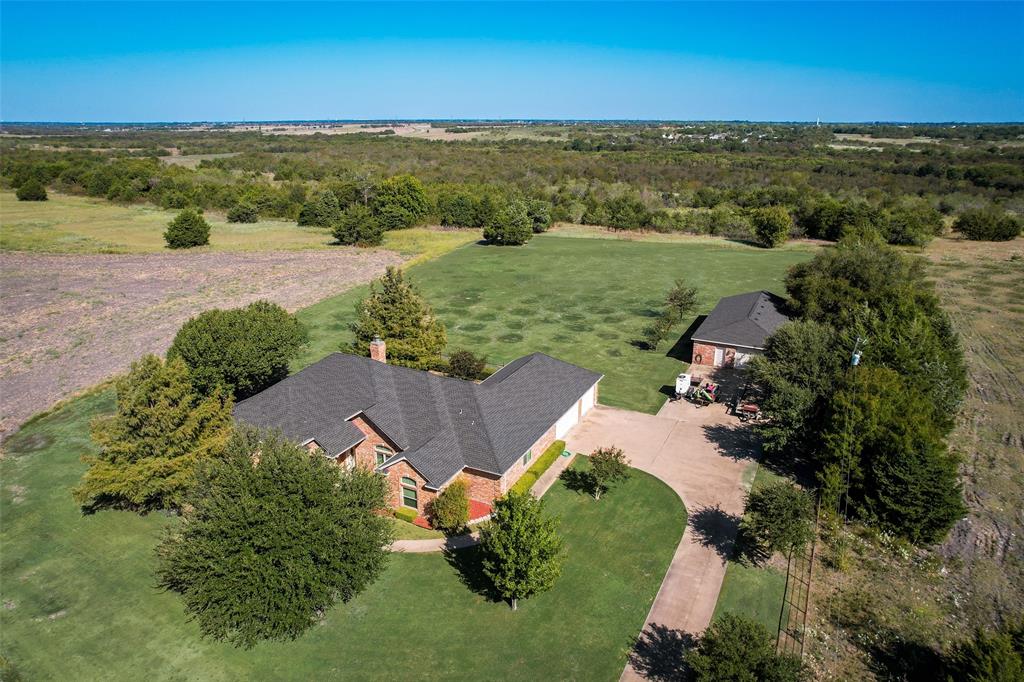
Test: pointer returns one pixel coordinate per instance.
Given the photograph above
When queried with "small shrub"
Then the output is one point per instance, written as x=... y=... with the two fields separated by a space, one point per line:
x=31 y=190
x=406 y=514
x=449 y=512
x=394 y=217
x=358 y=226
x=188 y=229
x=988 y=224
x=243 y=213
x=537 y=469
x=464 y=364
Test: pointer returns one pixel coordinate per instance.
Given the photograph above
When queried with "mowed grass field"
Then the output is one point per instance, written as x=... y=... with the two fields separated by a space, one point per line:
x=79 y=600
x=71 y=224
x=581 y=300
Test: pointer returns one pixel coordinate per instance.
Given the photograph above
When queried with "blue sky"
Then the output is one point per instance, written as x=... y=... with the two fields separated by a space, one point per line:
x=152 y=61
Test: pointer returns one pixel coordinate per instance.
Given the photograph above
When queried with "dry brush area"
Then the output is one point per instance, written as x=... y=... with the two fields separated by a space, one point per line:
x=71 y=321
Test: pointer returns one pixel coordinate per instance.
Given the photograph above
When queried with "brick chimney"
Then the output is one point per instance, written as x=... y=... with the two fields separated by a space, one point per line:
x=379 y=350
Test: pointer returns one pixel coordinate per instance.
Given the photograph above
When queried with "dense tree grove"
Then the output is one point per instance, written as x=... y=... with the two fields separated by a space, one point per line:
x=151 y=447
x=702 y=178
x=273 y=537
x=242 y=350
x=396 y=313
x=852 y=422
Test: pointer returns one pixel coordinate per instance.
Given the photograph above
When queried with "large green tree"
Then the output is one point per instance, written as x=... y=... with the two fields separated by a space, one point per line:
x=737 y=649
x=150 y=447
x=771 y=225
x=401 y=195
x=878 y=442
x=777 y=517
x=522 y=551
x=272 y=538
x=397 y=313
x=510 y=225
x=243 y=349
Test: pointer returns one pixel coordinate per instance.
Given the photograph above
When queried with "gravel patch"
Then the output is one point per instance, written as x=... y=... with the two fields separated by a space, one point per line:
x=71 y=321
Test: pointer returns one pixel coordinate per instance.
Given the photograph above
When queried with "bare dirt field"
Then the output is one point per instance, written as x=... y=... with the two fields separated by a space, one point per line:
x=72 y=321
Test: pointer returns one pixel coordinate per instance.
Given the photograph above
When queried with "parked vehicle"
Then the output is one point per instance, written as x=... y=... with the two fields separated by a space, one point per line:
x=703 y=395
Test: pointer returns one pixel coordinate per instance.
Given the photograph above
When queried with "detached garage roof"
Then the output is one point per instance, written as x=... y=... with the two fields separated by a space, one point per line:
x=440 y=425
x=744 y=320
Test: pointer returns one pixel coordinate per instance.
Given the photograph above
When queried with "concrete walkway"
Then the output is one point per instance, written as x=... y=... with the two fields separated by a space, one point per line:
x=546 y=480
x=702 y=453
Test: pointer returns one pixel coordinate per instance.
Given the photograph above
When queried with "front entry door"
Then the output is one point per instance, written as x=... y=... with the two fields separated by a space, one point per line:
x=719 y=356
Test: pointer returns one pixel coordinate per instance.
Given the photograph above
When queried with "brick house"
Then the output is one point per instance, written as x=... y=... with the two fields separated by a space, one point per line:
x=737 y=328
x=421 y=430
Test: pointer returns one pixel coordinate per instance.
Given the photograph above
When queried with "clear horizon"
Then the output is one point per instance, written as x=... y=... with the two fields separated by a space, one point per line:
x=914 y=62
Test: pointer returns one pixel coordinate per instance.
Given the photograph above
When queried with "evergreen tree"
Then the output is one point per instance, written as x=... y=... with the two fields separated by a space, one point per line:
x=540 y=215
x=878 y=437
x=188 y=229
x=523 y=553
x=150 y=448
x=31 y=190
x=273 y=537
x=322 y=210
x=358 y=226
x=397 y=313
x=245 y=350
x=243 y=212
x=989 y=656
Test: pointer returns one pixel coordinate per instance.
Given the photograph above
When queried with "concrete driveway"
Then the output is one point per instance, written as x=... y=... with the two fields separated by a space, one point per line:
x=703 y=454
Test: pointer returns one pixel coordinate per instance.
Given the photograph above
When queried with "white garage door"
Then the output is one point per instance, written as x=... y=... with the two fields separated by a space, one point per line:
x=567 y=420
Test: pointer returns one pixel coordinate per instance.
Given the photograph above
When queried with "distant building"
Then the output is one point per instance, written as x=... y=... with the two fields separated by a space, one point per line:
x=736 y=329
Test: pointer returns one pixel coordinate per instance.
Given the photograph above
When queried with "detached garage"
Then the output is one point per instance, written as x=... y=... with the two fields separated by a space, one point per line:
x=737 y=328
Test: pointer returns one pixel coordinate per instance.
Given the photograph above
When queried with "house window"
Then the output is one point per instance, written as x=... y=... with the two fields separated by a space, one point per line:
x=382 y=452
x=409 y=498
x=527 y=457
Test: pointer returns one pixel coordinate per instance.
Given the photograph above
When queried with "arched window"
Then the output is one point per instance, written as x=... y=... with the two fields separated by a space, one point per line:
x=382 y=452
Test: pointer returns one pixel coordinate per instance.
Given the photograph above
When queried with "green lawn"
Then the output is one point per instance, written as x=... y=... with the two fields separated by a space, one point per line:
x=582 y=300
x=79 y=601
x=754 y=591
x=72 y=224
x=410 y=531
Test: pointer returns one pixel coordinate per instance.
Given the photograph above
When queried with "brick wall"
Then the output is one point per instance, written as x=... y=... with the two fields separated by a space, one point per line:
x=482 y=487
x=365 y=455
x=518 y=469
x=703 y=354
x=395 y=473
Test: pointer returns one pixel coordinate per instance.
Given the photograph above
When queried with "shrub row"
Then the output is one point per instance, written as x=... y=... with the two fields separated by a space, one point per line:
x=542 y=464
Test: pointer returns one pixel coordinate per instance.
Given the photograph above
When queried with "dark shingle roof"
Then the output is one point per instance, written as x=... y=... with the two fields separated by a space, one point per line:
x=440 y=424
x=743 y=320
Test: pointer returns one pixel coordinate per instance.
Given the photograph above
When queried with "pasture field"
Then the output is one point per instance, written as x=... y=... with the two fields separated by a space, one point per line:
x=72 y=224
x=581 y=300
x=79 y=600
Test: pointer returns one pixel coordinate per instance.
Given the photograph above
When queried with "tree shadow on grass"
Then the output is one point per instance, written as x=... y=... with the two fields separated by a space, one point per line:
x=716 y=529
x=736 y=441
x=580 y=482
x=682 y=349
x=468 y=563
x=657 y=654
